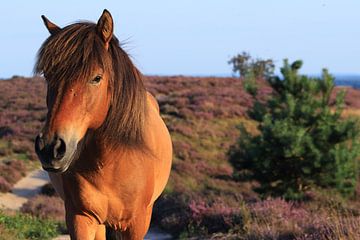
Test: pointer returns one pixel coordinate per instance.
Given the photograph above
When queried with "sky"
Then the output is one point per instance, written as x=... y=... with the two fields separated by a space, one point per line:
x=196 y=37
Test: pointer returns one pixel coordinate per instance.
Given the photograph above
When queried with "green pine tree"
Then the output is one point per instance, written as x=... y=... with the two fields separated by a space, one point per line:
x=302 y=141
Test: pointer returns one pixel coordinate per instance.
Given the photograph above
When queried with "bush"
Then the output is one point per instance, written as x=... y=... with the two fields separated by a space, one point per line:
x=6 y=131
x=12 y=171
x=48 y=190
x=214 y=218
x=5 y=186
x=45 y=207
x=302 y=141
x=172 y=214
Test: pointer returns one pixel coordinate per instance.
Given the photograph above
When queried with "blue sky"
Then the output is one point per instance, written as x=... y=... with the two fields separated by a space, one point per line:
x=196 y=37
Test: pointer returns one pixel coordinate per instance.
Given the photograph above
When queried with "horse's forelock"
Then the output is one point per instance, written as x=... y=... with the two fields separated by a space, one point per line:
x=72 y=54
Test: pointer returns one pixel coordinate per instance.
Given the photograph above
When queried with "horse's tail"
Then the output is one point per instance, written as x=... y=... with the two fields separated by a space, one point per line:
x=112 y=234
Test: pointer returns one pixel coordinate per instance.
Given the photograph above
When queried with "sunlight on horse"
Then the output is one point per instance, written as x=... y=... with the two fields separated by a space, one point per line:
x=104 y=144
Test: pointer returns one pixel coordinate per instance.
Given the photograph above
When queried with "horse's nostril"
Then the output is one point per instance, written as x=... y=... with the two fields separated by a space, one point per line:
x=59 y=148
x=39 y=143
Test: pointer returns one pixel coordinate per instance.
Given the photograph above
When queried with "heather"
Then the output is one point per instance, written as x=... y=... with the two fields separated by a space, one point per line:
x=45 y=207
x=202 y=200
x=11 y=171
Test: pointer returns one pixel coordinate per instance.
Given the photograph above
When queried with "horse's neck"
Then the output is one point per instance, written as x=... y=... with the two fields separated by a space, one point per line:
x=90 y=152
x=94 y=152
x=95 y=147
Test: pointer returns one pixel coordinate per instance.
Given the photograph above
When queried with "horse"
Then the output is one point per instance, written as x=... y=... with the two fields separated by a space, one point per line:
x=105 y=147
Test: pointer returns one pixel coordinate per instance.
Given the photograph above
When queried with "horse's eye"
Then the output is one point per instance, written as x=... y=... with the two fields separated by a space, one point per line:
x=96 y=80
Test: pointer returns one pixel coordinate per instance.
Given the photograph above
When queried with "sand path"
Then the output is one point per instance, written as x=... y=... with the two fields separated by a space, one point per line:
x=24 y=189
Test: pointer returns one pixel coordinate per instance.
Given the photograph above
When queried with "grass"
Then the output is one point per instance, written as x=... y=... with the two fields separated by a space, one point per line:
x=4 y=144
x=18 y=226
x=5 y=149
x=22 y=156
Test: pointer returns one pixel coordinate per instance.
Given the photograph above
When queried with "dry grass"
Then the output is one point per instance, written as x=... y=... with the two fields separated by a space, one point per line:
x=351 y=112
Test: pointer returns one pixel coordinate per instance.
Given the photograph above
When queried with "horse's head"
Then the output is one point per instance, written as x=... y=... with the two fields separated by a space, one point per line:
x=77 y=66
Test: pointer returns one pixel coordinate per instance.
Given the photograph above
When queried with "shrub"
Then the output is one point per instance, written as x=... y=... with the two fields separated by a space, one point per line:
x=171 y=213
x=302 y=141
x=9 y=172
x=12 y=171
x=213 y=218
x=19 y=166
x=21 y=146
x=48 y=190
x=6 y=131
x=45 y=207
x=5 y=186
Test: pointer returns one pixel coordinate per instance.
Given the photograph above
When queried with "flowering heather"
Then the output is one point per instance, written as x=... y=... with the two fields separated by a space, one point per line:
x=201 y=199
x=351 y=98
x=205 y=98
x=5 y=186
x=45 y=207
x=215 y=217
x=278 y=217
x=11 y=172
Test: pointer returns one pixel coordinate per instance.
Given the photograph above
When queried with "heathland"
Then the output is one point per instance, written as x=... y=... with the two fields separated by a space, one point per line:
x=202 y=199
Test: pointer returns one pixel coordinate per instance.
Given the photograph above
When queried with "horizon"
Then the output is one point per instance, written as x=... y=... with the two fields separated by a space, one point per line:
x=197 y=38
x=220 y=75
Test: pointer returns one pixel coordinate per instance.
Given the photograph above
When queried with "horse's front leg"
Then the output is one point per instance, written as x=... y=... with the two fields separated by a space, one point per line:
x=81 y=227
x=139 y=226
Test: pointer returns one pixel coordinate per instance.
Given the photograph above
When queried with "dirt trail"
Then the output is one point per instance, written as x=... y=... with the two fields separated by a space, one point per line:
x=30 y=186
x=24 y=189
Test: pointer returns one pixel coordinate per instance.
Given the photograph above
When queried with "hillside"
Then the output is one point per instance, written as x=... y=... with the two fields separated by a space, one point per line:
x=202 y=198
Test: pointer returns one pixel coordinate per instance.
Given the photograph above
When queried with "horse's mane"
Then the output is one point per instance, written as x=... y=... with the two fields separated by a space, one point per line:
x=72 y=54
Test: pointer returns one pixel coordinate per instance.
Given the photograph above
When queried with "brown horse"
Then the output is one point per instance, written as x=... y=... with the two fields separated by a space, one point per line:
x=104 y=144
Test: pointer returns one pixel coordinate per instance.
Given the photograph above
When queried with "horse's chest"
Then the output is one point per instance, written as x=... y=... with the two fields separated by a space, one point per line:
x=111 y=204
x=119 y=217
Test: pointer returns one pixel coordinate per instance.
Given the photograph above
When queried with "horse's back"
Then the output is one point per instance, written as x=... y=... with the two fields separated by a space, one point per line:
x=159 y=141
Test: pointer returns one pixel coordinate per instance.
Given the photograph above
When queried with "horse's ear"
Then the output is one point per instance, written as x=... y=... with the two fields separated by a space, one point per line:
x=52 y=27
x=105 y=27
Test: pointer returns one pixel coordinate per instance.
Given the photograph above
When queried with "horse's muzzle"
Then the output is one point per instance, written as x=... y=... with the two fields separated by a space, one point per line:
x=52 y=153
